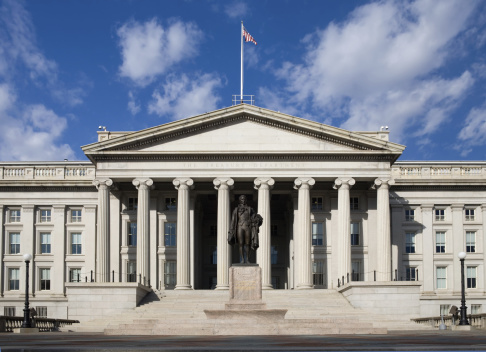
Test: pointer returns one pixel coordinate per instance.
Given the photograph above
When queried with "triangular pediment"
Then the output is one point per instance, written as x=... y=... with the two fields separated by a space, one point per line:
x=242 y=129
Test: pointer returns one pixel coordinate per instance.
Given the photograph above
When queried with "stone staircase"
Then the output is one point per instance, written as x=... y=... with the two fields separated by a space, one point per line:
x=310 y=312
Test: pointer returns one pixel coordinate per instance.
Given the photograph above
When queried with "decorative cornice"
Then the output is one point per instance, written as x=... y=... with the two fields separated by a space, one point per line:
x=18 y=188
x=232 y=119
x=439 y=187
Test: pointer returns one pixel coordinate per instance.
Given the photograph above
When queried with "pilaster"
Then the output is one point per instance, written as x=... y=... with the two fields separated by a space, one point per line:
x=90 y=240
x=383 y=229
x=428 y=244
x=103 y=235
x=458 y=245
x=183 y=185
x=27 y=244
x=58 y=237
x=396 y=237
x=2 y=243
x=303 y=240
x=223 y=185
x=143 y=186
x=264 y=185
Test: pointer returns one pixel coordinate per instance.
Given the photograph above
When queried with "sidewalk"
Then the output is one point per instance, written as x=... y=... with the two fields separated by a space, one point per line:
x=394 y=341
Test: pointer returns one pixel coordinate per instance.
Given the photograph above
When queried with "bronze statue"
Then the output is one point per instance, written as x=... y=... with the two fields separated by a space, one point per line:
x=244 y=229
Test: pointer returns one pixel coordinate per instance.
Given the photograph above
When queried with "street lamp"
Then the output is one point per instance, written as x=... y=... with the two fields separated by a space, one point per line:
x=463 y=321
x=27 y=323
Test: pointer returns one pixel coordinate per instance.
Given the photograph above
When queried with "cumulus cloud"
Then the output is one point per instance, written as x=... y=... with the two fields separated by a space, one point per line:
x=380 y=66
x=236 y=9
x=183 y=96
x=148 y=49
x=474 y=131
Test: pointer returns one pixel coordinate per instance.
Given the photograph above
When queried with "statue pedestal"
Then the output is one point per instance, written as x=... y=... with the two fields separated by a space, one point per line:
x=246 y=296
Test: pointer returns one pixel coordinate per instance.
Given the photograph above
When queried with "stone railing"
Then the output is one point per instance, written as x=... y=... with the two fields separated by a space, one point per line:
x=476 y=320
x=8 y=324
x=438 y=171
x=47 y=172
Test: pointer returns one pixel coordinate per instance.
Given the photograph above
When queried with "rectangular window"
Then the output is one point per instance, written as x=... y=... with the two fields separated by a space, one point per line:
x=410 y=242
x=45 y=238
x=354 y=203
x=440 y=242
x=131 y=271
x=444 y=309
x=441 y=275
x=170 y=234
x=469 y=214
x=317 y=234
x=9 y=311
x=170 y=270
x=45 y=215
x=410 y=272
x=409 y=215
x=45 y=279
x=356 y=272
x=470 y=241
x=13 y=279
x=132 y=204
x=475 y=309
x=14 y=215
x=439 y=214
x=14 y=242
x=471 y=276
x=76 y=243
x=132 y=234
x=355 y=234
x=75 y=275
x=316 y=203
x=41 y=311
x=170 y=204
x=273 y=254
x=318 y=272
x=76 y=215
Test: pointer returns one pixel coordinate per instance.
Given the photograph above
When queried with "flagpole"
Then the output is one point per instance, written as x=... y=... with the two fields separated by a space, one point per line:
x=241 y=86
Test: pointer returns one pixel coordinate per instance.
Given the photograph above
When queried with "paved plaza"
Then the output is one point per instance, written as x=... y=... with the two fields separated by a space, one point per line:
x=395 y=341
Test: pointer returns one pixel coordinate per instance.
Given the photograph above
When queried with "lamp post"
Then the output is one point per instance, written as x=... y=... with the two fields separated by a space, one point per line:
x=27 y=323
x=463 y=321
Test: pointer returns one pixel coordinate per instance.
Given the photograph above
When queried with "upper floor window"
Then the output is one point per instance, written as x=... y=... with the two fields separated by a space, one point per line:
x=409 y=214
x=354 y=203
x=76 y=243
x=355 y=234
x=14 y=215
x=316 y=203
x=132 y=204
x=170 y=234
x=45 y=239
x=471 y=276
x=132 y=234
x=170 y=204
x=439 y=214
x=13 y=279
x=45 y=215
x=14 y=238
x=470 y=241
x=410 y=242
x=441 y=277
x=440 y=242
x=45 y=279
x=317 y=234
x=469 y=214
x=76 y=215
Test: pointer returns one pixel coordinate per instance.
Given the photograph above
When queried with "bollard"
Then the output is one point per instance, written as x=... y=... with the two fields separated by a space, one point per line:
x=113 y=276
x=374 y=274
x=139 y=278
x=92 y=276
x=347 y=278
x=396 y=272
x=339 y=283
x=416 y=275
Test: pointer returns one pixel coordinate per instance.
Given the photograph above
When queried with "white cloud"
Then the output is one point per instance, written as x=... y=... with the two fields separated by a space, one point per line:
x=148 y=49
x=474 y=131
x=133 y=107
x=236 y=9
x=183 y=97
x=378 y=67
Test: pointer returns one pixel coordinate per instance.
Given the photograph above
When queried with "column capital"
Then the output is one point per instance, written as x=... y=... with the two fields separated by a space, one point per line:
x=304 y=181
x=223 y=183
x=183 y=183
x=383 y=183
x=346 y=182
x=264 y=181
x=143 y=183
x=103 y=182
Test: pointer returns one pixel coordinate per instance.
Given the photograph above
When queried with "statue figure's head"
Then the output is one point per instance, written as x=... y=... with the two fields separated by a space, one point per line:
x=242 y=199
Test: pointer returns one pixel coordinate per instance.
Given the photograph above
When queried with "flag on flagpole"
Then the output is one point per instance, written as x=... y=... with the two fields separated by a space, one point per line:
x=248 y=37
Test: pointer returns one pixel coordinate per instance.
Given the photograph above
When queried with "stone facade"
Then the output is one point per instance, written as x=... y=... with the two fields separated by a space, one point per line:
x=153 y=207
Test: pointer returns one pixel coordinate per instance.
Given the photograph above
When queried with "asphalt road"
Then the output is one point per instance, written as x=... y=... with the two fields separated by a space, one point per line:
x=395 y=341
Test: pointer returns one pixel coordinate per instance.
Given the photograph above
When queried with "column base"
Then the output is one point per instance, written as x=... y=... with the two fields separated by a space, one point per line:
x=304 y=287
x=222 y=287
x=267 y=287
x=183 y=287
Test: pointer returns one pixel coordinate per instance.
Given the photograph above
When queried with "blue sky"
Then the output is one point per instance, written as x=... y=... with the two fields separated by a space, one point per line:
x=67 y=67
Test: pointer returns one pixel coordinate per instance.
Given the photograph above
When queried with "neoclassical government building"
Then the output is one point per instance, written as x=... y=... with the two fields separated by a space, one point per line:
x=153 y=207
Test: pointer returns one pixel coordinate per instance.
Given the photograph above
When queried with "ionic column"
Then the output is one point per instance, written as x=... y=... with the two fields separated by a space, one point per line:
x=183 y=185
x=302 y=239
x=383 y=239
x=263 y=185
x=344 y=224
x=223 y=185
x=103 y=238
x=143 y=228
